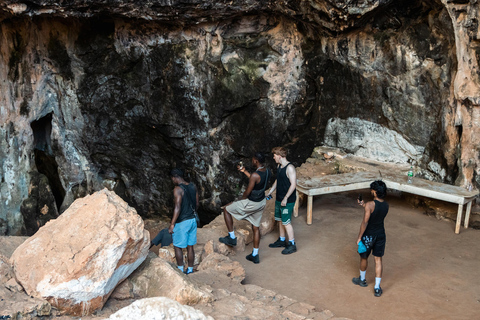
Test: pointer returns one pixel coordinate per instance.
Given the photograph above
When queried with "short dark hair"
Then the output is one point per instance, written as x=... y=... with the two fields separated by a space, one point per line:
x=380 y=188
x=176 y=173
x=260 y=157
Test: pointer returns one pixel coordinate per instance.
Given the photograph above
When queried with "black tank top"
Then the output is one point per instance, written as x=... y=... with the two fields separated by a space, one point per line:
x=375 y=224
x=186 y=211
x=259 y=186
x=283 y=184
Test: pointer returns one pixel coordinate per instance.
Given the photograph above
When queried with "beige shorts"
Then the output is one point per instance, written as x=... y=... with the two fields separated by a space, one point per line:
x=247 y=210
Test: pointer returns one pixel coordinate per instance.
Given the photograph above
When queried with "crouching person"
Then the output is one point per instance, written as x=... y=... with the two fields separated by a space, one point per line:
x=183 y=226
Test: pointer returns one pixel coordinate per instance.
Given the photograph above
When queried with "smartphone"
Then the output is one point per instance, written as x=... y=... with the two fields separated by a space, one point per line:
x=360 y=198
x=268 y=197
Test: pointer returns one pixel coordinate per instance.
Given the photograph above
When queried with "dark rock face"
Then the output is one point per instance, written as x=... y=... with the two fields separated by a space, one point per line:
x=97 y=94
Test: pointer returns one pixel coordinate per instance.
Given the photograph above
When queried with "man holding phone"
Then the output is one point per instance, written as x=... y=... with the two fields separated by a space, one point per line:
x=250 y=207
x=371 y=238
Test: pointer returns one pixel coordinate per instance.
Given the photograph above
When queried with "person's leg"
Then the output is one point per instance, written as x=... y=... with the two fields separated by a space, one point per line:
x=158 y=238
x=289 y=229
x=229 y=240
x=256 y=237
x=361 y=281
x=180 y=232
x=228 y=220
x=254 y=257
x=378 y=271
x=281 y=229
x=179 y=257
x=363 y=264
x=287 y=211
x=191 y=258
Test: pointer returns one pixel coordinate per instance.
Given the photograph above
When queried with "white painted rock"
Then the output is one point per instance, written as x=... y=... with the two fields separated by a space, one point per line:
x=76 y=260
x=370 y=140
x=159 y=308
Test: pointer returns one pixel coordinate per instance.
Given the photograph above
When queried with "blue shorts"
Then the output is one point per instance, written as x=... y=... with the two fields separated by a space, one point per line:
x=185 y=233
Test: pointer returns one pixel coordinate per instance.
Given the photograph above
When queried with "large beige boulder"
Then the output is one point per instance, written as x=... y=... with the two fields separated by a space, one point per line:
x=158 y=308
x=76 y=260
x=159 y=278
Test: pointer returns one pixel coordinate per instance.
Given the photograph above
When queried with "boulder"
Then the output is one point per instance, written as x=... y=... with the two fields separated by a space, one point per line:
x=6 y=271
x=16 y=304
x=213 y=232
x=159 y=278
x=158 y=308
x=76 y=260
x=223 y=264
x=9 y=244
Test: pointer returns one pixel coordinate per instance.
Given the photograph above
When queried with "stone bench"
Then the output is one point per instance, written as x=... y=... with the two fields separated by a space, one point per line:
x=313 y=186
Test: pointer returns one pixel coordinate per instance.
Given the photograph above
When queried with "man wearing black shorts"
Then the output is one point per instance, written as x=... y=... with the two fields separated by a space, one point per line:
x=372 y=234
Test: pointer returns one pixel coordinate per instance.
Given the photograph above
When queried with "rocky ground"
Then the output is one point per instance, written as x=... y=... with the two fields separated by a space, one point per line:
x=217 y=288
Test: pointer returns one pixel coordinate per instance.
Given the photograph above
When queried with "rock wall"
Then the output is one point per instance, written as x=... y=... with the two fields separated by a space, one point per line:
x=98 y=95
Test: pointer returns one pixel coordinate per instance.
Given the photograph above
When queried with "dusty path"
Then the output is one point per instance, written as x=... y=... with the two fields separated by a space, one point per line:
x=429 y=271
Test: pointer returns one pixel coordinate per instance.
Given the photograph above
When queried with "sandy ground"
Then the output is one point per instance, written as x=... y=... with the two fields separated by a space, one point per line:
x=429 y=271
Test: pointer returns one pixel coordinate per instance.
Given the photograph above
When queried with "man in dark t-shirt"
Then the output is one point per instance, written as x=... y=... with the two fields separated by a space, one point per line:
x=183 y=226
x=372 y=235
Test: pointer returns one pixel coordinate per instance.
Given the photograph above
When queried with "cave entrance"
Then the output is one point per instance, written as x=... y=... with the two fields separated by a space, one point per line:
x=44 y=158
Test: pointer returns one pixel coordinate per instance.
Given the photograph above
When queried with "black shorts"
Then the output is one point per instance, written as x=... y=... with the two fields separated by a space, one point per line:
x=374 y=244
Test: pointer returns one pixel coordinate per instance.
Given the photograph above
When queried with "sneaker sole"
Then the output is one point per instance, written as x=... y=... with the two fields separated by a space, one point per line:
x=256 y=262
x=228 y=244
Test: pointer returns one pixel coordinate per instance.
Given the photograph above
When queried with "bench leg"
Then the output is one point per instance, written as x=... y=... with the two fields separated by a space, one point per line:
x=297 y=203
x=467 y=215
x=309 y=209
x=459 y=218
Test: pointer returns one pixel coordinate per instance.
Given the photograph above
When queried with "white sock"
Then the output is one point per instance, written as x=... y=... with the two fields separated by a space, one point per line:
x=232 y=234
x=362 y=274
x=180 y=268
x=255 y=252
x=377 y=282
x=282 y=238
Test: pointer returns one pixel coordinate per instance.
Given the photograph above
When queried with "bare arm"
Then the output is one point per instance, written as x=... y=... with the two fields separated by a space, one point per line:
x=254 y=178
x=272 y=188
x=292 y=177
x=177 y=195
x=369 y=207
x=242 y=169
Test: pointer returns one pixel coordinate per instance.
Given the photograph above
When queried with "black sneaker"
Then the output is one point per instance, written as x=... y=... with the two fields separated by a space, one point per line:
x=278 y=244
x=378 y=292
x=289 y=248
x=228 y=241
x=254 y=259
x=359 y=282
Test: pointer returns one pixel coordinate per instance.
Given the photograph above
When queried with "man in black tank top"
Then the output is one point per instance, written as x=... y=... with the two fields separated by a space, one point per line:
x=250 y=207
x=372 y=235
x=286 y=196
x=183 y=226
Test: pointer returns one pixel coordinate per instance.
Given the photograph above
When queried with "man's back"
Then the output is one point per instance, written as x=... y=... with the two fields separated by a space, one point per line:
x=375 y=224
